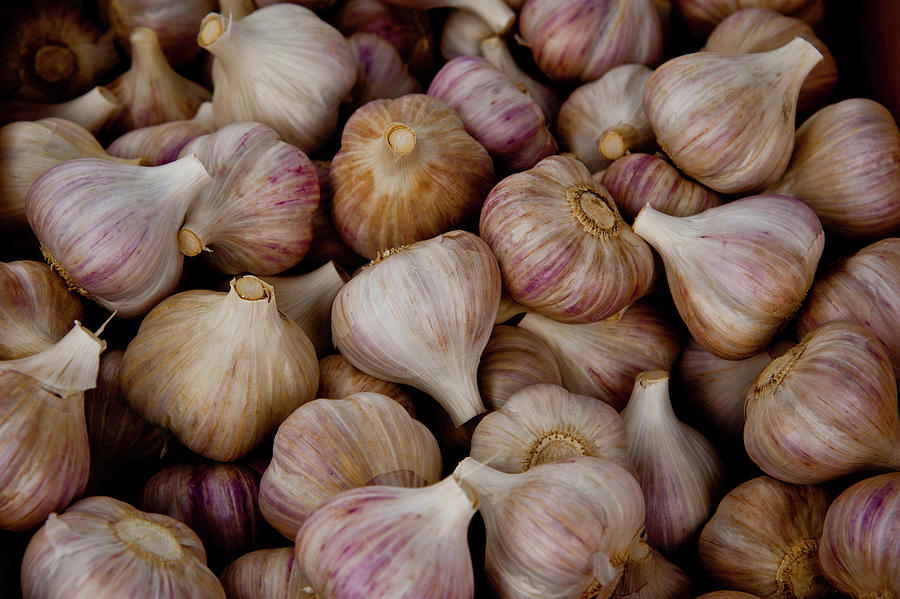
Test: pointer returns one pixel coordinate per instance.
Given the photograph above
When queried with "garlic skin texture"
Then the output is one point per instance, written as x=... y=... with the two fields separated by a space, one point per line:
x=649 y=575
x=512 y=360
x=380 y=71
x=702 y=16
x=764 y=539
x=160 y=144
x=340 y=378
x=381 y=541
x=735 y=146
x=825 y=409
x=219 y=370
x=563 y=248
x=453 y=283
x=328 y=245
x=739 y=271
x=266 y=574
x=282 y=66
x=104 y=548
x=498 y=16
x=110 y=229
x=462 y=34
x=91 y=110
x=561 y=530
x=406 y=171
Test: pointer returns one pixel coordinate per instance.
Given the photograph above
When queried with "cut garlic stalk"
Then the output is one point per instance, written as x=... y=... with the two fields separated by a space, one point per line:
x=91 y=110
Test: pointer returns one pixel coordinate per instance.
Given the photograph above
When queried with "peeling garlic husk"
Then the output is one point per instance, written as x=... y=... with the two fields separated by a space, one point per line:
x=381 y=72
x=702 y=16
x=764 y=539
x=495 y=13
x=91 y=110
x=462 y=34
x=103 y=548
x=340 y=378
x=266 y=574
x=513 y=359
x=737 y=272
x=649 y=575
x=161 y=144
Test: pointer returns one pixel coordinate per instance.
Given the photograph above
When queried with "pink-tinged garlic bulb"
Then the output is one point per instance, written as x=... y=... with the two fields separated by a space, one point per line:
x=406 y=171
x=764 y=539
x=858 y=550
x=825 y=409
x=219 y=370
x=495 y=111
x=340 y=378
x=161 y=144
x=702 y=16
x=845 y=166
x=727 y=120
x=256 y=215
x=604 y=119
x=563 y=248
x=601 y=359
x=448 y=285
x=45 y=453
x=580 y=40
x=91 y=110
x=543 y=423
x=638 y=179
x=381 y=541
x=739 y=271
x=649 y=575
x=110 y=229
x=462 y=34
x=562 y=529
x=498 y=16
x=103 y=548
x=380 y=71
x=282 y=66
x=266 y=574
x=513 y=359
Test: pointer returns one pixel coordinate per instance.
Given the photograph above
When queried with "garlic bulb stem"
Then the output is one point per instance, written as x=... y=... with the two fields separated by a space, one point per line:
x=188 y=242
x=615 y=141
x=400 y=138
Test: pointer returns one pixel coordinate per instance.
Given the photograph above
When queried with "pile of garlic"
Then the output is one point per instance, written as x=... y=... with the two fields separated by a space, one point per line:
x=354 y=271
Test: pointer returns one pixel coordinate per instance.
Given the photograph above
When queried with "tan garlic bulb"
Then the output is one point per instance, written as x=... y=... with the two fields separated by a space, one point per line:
x=738 y=145
x=638 y=179
x=380 y=70
x=328 y=245
x=161 y=144
x=601 y=359
x=266 y=574
x=563 y=248
x=340 y=378
x=737 y=272
x=845 y=167
x=764 y=539
x=649 y=575
x=462 y=34
x=102 y=548
x=91 y=110
x=331 y=445
x=702 y=16
x=219 y=370
x=825 y=409
x=406 y=171
x=36 y=309
x=498 y=16
x=513 y=359
x=282 y=66
x=45 y=453
x=562 y=529
x=604 y=119
x=508 y=309
x=543 y=423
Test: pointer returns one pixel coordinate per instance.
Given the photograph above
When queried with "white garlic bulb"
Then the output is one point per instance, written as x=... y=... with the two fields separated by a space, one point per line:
x=91 y=110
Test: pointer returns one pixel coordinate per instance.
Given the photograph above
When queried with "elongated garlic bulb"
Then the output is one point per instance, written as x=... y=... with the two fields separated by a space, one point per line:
x=513 y=359
x=266 y=574
x=91 y=110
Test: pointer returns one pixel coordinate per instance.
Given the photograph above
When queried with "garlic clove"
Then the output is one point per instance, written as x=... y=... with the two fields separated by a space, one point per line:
x=498 y=16
x=737 y=272
x=91 y=110
x=340 y=378
x=266 y=574
x=380 y=71
x=513 y=359
x=702 y=16
x=649 y=575
x=462 y=34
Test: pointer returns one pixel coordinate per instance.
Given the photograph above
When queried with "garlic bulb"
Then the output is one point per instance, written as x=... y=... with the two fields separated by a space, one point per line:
x=282 y=66
x=340 y=378
x=102 y=548
x=728 y=595
x=380 y=71
x=508 y=309
x=737 y=272
x=331 y=445
x=582 y=39
x=219 y=370
x=266 y=574
x=406 y=171
x=727 y=120
x=764 y=539
x=513 y=359
x=381 y=541
x=604 y=119
x=328 y=245
x=858 y=550
x=161 y=144
x=563 y=248
x=91 y=110
x=601 y=359
x=110 y=229
x=562 y=529
x=498 y=16
x=648 y=575
x=638 y=179
x=825 y=409
x=256 y=215
x=542 y=423
x=701 y=16
x=462 y=34
x=845 y=168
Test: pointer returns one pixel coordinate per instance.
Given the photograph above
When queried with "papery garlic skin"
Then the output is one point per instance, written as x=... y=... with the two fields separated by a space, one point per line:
x=91 y=110
x=649 y=575
x=701 y=16
x=266 y=574
x=103 y=548
x=513 y=359
x=462 y=34
x=328 y=245
x=157 y=144
x=737 y=272
x=381 y=72
x=340 y=378
x=495 y=13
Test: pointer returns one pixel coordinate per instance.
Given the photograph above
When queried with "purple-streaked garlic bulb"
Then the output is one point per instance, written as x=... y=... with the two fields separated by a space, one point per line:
x=827 y=408
x=339 y=378
x=162 y=143
x=462 y=34
x=702 y=16
x=649 y=575
x=91 y=110
x=111 y=229
x=580 y=40
x=563 y=248
x=448 y=285
x=498 y=16
x=514 y=358
x=739 y=271
x=266 y=574
x=380 y=71
x=727 y=120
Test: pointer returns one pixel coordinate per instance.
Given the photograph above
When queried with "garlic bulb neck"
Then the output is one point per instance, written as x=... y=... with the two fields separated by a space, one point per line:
x=615 y=141
x=400 y=138
x=653 y=398
x=146 y=52
x=595 y=210
x=798 y=574
x=148 y=540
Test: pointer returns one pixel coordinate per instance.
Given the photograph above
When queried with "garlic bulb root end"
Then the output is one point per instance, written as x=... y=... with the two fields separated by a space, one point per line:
x=57 y=267
x=149 y=540
x=594 y=209
x=798 y=574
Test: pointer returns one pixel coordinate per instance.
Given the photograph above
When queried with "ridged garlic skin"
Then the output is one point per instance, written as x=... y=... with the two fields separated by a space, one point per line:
x=739 y=271
x=110 y=229
x=764 y=539
x=331 y=445
x=498 y=16
x=448 y=285
x=513 y=359
x=91 y=110
x=381 y=541
x=256 y=215
x=282 y=66
x=380 y=70
x=702 y=16
x=266 y=574
x=104 y=548
x=339 y=378
x=157 y=144
x=219 y=370
x=649 y=575
x=563 y=248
